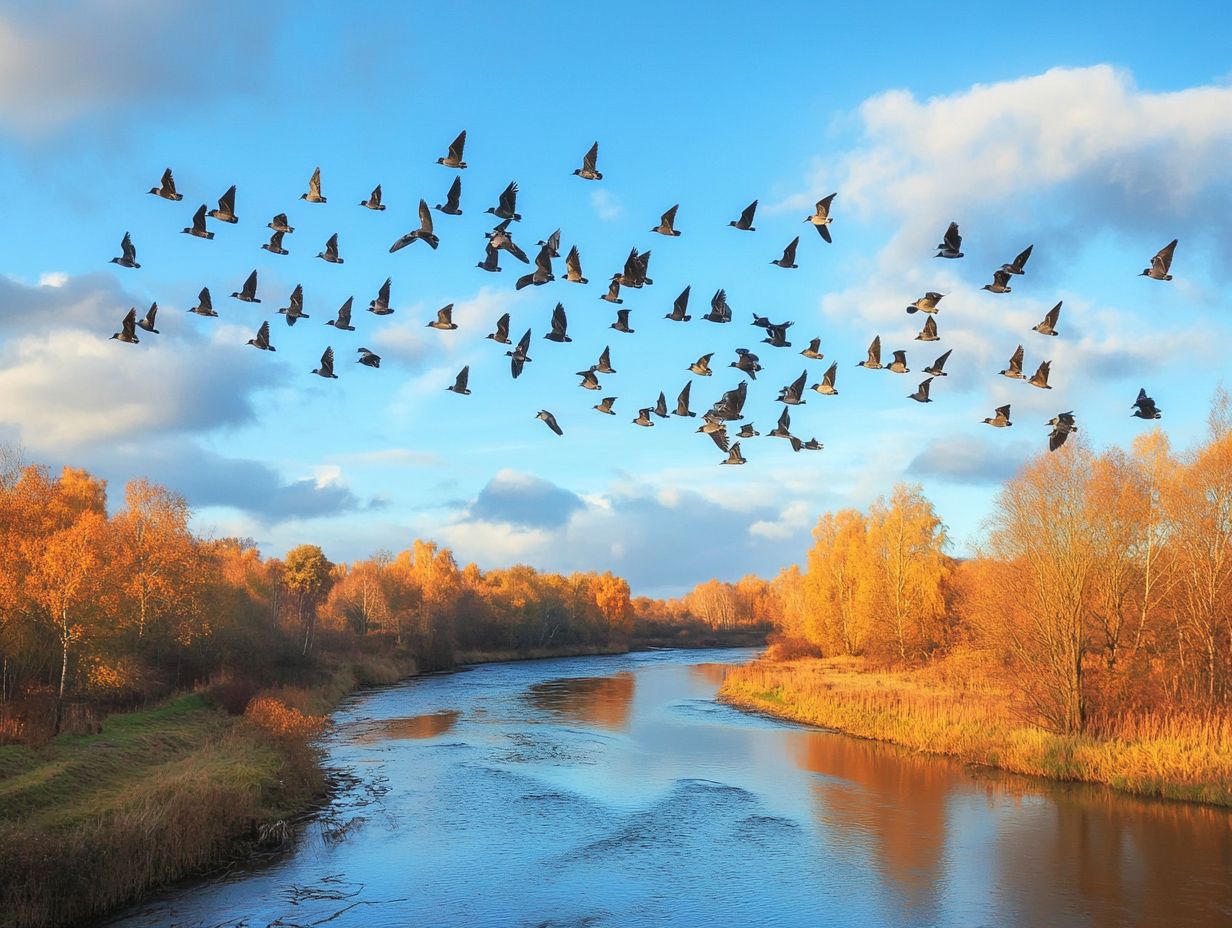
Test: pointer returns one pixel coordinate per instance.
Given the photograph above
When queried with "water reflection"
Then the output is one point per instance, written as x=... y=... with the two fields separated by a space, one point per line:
x=714 y=674
x=602 y=701
x=429 y=725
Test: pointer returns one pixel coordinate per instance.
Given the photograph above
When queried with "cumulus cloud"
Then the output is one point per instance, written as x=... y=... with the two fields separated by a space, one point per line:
x=606 y=206
x=62 y=61
x=69 y=386
x=524 y=501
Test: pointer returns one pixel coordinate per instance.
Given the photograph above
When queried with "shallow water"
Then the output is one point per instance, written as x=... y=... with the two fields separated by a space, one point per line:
x=614 y=791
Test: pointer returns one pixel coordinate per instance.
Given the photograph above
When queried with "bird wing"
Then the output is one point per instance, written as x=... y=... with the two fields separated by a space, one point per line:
x=874 y=350
x=682 y=301
x=1000 y=278
x=263 y=333
x=130 y=323
x=512 y=247
x=543 y=261
x=605 y=359
x=824 y=232
x=924 y=387
x=250 y=285
x=524 y=343
x=459 y=383
x=327 y=360
x=1163 y=260
x=1057 y=438
x=445 y=314
x=509 y=197
x=331 y=246
x=425 y=218
x=456 y=146
x=559 y=321
x=198 y=219
x=682 y=401
x=746 y=215
x=1016 y=360
x=552 y=424
x=573 y=262
x=952 y=239
x=168 y=181
x=829 y=375
x=344 y=312
x=226 y=202
x=719 y=437
x=591 y=158
x=940 y=362
x=515 y=365
x=823 y=205
x=126 y=246
x=454 y=196
x=1021 y=261
x=204 y=300
x=930 y=326
x=314 y=183
x=668 y=219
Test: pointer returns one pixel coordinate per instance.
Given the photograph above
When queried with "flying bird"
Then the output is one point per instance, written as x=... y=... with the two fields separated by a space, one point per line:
x=198 y=228
x=279 y=224
x=552 y=244
x=643 y=418
x=587 y=170
x=1000 y=282
x=605 y=405
x=444 y=319
x=682 y=402
x=500 y=238
x=506 y=208
x=813 y=351
x=622 y=322
x=549 y=420
x=368 y=358
x=248 y=293
x=783 y=428
x=262 y=339
x=613 y=291
x=874 y=355
x=327 y=365
x=747 y=430
x=730 y=406
x=746 y=361
x=573 y=267
x=1062 y=424
x=314 y=196
x=491 y=260
x=128 y=328
x=789 y=255
x=295 y=308
x=660 y=407
x=205 y=304
x=589 y=380
x=793 y=393
x=274 y=245
x=605 y=362
x=148 y=322
x=374 y=199
x=734 y=456
x=454 y=158
x=921 y=395
x=745 y=222
x=1161 y=264
x=719 y=310
x=1019 y=264
x=1000 y=418
x=343 y=321
x=424 y=232
x=166 y=187
x=330 y=253
x=518 y=357
x=1049 y=325
x=501 y=335
x=927 y=303
x=1040 y=377
x=938 y=367
x=459 y=384
x=776 y=336
x=1144 y=407
x=716 y=428
x=542 y=273
x=560 y=326
x=701 y=366
x=226 y=207
x=679 y=306
x=1014 y=371
x=667 y=222
x=453 y=199
x=899 y=364
x=380 y=306
x=634 y=273
x=821 y=217
x=128 y=252
x=951 y=245
x=929 y=332
x=813 y=445
x=826 y=387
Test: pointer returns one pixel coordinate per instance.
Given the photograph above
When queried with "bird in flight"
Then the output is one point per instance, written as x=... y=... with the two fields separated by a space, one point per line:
x=506 y=208
x=519 y=357
x=453 y=199
x=198 y=229
x=1000 y=282
x=374 y=199
x=745 y=222
x=205 y=304
x=681 y=303
x=248 y=293
x=330 y=253
x=587 y=171
x=1161 y=264
x=444 y=319
x=314 y=190
x=1000 y=418
x=667 y=223
x=1144 y=407
x=262 y=339
x=573 y=267
x=226 y=207
x=1062 y=424
x=874 y=355
x=921 y=394
x=128 y=328
x=148 y=322
x=1019 y=264
x=327 y=365
x=460 y=382
x=424 y=232
x=821 y=217
x=826 y=387
x=951 y=244
x=789 y=255
x=343 y=321
x=128 y=253
x=368 y=358
x=380 y=306
x=1049 y=324
x=166 y=187
x=549 y=420
x=274 y=245
x=454 y=158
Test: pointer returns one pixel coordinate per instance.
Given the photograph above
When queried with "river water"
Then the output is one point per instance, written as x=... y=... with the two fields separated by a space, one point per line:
x=615 y=791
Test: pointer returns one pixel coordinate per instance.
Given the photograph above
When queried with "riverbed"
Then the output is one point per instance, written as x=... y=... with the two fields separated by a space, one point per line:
x=615 y=791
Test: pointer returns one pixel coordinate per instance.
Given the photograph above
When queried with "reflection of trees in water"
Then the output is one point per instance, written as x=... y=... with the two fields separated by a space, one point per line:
x=603 y=701
x=412 y=727
x=888 y=800
x=713 y=674
x=1131 y=861
x=1121 y=860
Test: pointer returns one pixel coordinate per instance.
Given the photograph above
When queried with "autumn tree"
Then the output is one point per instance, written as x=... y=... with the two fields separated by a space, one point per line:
x=308 y=575
x=906 y=542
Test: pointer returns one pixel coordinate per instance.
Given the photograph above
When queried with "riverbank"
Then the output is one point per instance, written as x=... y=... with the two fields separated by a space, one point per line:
x=933 y=712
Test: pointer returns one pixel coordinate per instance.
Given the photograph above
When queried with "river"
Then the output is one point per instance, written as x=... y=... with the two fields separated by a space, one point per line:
x=615 y=791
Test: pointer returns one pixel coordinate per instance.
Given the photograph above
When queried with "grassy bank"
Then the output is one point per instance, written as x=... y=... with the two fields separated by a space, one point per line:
x=88 y=823
x=935 y=712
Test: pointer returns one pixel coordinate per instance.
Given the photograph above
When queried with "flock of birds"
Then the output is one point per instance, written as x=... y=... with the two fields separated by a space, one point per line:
x=634 y=275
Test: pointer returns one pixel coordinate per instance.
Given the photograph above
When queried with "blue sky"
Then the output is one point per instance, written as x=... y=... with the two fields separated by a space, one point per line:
x=1097 y=142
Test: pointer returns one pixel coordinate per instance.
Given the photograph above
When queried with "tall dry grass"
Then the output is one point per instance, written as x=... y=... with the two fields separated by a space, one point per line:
x=939 y=711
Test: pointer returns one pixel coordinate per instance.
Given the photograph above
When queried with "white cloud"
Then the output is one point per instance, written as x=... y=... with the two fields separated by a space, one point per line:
x=607 y=207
